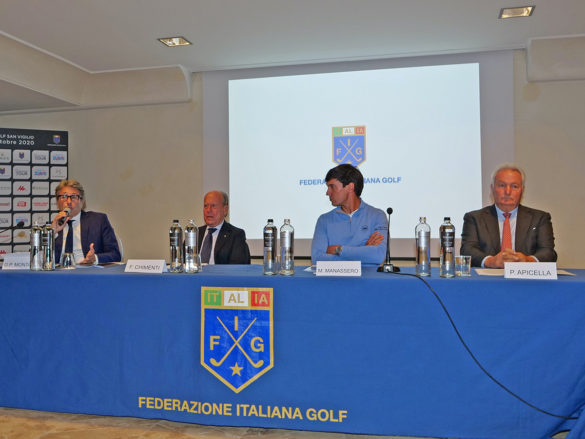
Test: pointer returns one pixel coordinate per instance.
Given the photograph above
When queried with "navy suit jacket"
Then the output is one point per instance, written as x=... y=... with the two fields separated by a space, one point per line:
x=96 y=229
x=230 y=246
x=481 y=234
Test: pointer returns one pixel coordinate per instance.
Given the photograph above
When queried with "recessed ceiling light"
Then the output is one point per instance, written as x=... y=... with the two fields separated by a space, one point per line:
x=174 y=41
x=521 y=11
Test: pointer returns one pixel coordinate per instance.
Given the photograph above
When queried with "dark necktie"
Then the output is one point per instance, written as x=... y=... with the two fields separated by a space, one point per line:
x=69 y=240
x=207 y=244
x=507 y=233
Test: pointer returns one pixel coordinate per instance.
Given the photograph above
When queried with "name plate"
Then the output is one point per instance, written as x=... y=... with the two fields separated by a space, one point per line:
x=339 y=268
x=16 y=261
x=530 y=270
x=145 y=266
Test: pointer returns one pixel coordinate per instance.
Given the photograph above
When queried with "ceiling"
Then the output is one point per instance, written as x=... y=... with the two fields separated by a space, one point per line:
x=111 y=35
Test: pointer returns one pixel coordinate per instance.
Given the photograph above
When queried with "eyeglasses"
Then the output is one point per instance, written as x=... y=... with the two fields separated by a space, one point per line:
x=73 y=197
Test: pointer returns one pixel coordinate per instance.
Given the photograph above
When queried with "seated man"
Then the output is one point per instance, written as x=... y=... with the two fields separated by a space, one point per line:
x=507 y=231
x=354 y=230
x=88 y=235
x=219 y=242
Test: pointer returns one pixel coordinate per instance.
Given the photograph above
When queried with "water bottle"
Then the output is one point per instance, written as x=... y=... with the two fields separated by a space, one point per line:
x=48 y=247
x=423 y=247
x=287 y=239
x=270 y=237
x=191 y=259
x=176 y=244
x=36 y=247
x=447 y=257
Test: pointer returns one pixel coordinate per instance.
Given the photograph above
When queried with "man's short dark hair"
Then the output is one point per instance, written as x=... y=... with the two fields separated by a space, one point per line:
x=347 y=174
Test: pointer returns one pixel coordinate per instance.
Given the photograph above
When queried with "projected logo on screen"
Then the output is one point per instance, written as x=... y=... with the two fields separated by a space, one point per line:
x=237 y=334
x=349 y=145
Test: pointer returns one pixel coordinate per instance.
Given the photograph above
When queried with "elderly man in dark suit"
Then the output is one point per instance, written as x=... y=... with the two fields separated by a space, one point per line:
x=507 y=231
x=88 y=235
x=219 y=242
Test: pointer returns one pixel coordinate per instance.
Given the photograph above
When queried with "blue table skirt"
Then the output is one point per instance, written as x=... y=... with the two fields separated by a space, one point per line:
x=372 y=355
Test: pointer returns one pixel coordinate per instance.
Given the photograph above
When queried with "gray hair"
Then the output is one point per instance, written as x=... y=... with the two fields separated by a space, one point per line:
x=72 y=184
x=224 y=196
x=511 y=167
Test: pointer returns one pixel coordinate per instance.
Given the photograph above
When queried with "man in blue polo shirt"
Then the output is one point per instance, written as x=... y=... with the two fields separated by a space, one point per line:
x=354 y=230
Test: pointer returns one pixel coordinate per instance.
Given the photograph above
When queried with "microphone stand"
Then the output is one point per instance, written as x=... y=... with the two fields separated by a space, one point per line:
x=20 y=225
x=388 y=267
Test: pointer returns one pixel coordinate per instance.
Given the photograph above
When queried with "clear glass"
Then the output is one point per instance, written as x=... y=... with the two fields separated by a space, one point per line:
x=68 y=261
x=270 y=236
x=423 y=247
x=447 y=252
x=462 y=266
x=287 y=258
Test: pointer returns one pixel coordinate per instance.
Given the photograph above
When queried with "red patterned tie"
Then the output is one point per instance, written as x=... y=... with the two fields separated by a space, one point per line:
x=507 y=233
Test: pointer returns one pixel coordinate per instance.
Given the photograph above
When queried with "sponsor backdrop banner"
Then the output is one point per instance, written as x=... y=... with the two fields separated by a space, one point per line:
x=32 y=162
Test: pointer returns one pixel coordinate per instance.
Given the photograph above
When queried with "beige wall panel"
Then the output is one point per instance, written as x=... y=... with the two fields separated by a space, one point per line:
x=550 y=145
x=141 y=165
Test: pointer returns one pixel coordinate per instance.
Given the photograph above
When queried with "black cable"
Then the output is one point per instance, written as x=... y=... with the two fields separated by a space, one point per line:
x=483 y=369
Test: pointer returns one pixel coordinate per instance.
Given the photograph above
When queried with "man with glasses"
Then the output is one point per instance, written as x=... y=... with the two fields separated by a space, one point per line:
x=88 y=235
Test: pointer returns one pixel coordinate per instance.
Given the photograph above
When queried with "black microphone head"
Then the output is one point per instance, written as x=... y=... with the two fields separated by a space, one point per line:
x=389 y=210
x=20 y=224
x=67 y=211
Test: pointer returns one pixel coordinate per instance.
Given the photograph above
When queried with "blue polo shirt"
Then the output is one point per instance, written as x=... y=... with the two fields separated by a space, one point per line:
x=351 y=232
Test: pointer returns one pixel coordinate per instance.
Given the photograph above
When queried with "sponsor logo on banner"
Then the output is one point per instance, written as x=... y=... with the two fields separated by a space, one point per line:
x=24 y=217
x=40 y=203
x=237 y=334
x=40 y=218
x=5 y=188
x=56 y=138
x=40 y=188
x=5 y=220
x=5 y=204
x=21 y=235
x=58 y=157
x=5 y=172
x=349 y=145
x=58 y=172
x=6 y=237
x=41 y=157
x=5 y=155
x=21 y=188
x=21 y=156
x=40 y=173
x=4 y=249
x=21 y=172
x=20 y=204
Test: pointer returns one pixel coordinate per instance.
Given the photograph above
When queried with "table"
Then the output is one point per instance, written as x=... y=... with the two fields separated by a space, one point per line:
x=372 y=355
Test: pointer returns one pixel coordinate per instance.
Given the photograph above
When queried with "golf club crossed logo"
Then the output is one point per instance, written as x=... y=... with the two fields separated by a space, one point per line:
x=237 y=334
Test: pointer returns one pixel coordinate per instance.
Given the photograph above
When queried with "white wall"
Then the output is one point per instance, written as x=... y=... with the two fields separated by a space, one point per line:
x=550 y=145
x=141 y=165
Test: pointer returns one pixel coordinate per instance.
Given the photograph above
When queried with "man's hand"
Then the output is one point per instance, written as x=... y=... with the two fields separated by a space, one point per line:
x=375 y=239
x=498 y=260
x=89 y=257
x=55 y=224
x=331 y=249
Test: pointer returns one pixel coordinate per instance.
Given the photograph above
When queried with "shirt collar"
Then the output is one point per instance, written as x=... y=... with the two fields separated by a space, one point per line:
x=500 y=213
x=217 y=228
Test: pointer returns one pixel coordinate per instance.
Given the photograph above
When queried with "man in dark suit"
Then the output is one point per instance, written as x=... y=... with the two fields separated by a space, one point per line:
x=88 y=235
x=507 y=231
x=219 y=242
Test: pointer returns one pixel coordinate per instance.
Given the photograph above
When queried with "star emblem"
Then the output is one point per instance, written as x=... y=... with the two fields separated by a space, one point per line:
x=236 y=369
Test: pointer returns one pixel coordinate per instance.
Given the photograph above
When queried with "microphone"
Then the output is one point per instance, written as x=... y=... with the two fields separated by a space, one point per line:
x=19 y=225
x=387 y=267
x=64 y=218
